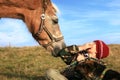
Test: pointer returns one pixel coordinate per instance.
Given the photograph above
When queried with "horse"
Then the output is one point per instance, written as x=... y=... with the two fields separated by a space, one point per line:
x=40 y=18
x=94 y=69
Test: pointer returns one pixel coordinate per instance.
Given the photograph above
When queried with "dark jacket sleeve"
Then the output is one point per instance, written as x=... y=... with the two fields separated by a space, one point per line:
x=68 y=54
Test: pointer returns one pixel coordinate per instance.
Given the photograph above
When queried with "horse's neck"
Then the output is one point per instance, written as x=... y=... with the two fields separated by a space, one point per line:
x=27 y=10
x=28 y=4
x=18 y=9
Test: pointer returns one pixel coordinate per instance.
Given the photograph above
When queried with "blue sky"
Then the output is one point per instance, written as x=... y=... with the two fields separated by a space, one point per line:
x=80 y=21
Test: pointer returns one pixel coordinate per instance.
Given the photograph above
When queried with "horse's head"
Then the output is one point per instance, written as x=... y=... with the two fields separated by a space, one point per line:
x=48 y=34
x=40 y=17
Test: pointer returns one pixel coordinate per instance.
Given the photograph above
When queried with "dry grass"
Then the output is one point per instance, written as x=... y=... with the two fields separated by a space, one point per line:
x=113 y=60
x=30 y=63
x=27 y=63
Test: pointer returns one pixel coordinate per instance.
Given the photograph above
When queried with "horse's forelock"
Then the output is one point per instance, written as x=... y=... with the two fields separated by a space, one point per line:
x=56 y=8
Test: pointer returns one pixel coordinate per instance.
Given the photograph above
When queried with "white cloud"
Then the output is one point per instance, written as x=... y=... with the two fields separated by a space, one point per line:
x=107 y=11
x=115 y=22
x=90 y=19
x=15 y=32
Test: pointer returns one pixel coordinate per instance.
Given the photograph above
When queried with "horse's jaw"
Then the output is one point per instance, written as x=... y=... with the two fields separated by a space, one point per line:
x=53 y=47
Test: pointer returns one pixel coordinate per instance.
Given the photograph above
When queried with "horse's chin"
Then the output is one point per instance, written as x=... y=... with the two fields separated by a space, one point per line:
x=56 y=47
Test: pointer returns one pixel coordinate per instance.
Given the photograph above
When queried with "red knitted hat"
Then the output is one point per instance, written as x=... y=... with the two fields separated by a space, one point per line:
x=102 y=49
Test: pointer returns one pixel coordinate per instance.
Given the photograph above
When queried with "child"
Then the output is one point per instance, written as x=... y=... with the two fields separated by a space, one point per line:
x=96 y=49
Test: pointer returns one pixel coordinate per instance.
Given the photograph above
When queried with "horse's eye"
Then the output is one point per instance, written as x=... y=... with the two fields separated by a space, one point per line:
x=55 y=19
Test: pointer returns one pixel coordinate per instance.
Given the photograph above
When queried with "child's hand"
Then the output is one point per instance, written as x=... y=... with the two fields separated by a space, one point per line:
x=80 y=57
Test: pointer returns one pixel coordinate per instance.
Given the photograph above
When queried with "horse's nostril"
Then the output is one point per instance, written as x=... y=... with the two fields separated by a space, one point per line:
x=56 y=51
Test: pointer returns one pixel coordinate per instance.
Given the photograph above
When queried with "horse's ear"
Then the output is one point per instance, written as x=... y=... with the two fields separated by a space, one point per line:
x=47 y=2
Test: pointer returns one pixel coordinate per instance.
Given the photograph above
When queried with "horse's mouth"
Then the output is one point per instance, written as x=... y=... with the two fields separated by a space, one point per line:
x=56 y=47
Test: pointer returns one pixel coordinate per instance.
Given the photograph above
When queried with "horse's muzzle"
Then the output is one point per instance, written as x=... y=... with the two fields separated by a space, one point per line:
x=57 y=46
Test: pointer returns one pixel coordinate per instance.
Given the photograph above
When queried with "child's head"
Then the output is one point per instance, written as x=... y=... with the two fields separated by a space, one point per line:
x=96 y=49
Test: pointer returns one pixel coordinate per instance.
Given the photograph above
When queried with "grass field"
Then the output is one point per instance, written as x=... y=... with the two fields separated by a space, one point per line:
x=31 y=63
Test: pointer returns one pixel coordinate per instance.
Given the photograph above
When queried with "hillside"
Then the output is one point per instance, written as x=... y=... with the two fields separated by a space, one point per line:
x=30 y=63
